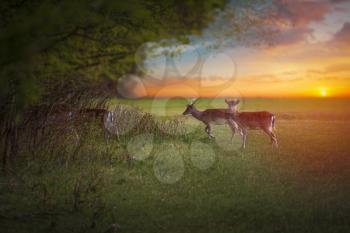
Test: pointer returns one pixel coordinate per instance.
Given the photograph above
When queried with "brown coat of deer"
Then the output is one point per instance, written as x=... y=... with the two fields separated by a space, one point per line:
x=211 y=117
x=263 y=120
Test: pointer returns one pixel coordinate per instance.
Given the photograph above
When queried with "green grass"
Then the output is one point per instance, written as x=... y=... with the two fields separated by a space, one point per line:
x=176 y=106
x=303 y=186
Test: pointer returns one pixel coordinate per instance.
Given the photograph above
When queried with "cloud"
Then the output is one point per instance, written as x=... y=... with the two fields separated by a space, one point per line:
x=311 y=72
x=289 y=76
x=343 y=36
x=302 y=12
x=338 y=68
x=292 y=35
x=295 y=59
x=263 y=78
x=297 y=21
x=332 y=69
x=339 y=1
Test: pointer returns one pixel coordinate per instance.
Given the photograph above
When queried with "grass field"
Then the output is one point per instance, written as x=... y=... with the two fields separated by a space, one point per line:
x=187 y=183
x=174 y=106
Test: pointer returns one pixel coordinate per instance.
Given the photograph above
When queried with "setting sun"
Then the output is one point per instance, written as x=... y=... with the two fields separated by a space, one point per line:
x=323 y=92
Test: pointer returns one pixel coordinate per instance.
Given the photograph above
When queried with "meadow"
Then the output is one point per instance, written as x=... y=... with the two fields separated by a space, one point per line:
x=180 y=181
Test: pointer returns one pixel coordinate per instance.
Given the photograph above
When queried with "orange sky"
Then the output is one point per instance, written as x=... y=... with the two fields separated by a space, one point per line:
x=195 y=88
x=309 y=57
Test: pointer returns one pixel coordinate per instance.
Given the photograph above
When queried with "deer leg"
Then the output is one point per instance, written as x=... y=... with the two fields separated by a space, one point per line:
x=233 y=127
x=244 y=137
x=239 y=129
x=211 y=135
x=268 y=132
x=208 y=131
x=274 y=139
x=272 y=136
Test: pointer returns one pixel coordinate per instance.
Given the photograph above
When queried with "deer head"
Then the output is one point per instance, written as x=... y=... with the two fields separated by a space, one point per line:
x=232 y=104
x=189 y=107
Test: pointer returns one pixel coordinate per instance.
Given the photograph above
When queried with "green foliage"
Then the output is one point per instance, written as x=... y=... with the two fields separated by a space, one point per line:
x=45 y=42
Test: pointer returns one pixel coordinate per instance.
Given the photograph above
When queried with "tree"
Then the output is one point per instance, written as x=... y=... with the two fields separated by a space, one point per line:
x=69 y=52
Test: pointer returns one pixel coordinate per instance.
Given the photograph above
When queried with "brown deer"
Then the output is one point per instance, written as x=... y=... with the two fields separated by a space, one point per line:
x=253 y=120
x=211 y=117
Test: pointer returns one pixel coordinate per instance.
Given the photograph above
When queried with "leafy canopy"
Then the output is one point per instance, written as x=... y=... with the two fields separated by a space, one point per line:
x=61 y=51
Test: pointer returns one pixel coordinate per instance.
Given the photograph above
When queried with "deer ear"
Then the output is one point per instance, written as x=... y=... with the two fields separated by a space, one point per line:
x=226 y=101
x=237 y=102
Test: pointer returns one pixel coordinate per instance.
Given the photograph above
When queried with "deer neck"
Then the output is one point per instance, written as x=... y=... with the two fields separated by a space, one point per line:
x=196 y=114
x=234 y=112
x=233 y=109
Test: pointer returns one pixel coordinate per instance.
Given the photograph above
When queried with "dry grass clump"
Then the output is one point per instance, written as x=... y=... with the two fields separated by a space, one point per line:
x=66 y=138
x=129 y=121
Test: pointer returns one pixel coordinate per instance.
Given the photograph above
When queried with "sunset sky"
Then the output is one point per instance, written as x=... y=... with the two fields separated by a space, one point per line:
x=308 y=56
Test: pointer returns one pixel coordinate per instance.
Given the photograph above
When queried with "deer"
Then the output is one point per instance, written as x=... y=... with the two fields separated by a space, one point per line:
x=211 y=117
x=263 y=120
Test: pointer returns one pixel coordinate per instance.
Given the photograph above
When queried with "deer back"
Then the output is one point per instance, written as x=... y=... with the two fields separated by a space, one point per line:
x=219 y=116
x=254 y=119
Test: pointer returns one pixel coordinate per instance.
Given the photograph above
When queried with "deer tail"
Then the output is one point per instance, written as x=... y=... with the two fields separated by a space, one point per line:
x=273 y=119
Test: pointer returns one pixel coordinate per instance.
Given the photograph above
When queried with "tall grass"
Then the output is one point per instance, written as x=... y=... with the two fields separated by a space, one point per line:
x=80 y=184
x=132 y=121
x=67 y=168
